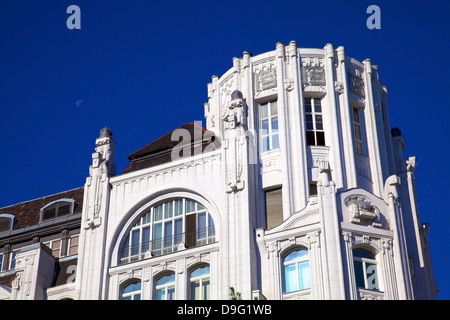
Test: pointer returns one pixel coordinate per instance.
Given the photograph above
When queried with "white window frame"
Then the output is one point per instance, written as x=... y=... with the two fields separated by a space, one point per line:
x=296 y=262
x=70 y=245
x=165 y=286
x=148 y=220
x=200 y=279
x=313 y=113
x=50 y=243
x=270 y=133
x=59 y=203
x=364 y=261
x=131 y=294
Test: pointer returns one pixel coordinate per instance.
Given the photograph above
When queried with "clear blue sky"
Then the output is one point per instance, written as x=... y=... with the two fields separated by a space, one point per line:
x=141 y=68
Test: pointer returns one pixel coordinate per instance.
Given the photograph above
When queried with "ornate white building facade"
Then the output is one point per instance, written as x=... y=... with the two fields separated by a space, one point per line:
x=296 y=189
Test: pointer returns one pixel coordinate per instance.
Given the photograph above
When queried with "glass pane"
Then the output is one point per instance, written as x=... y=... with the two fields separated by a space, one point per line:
x=137 y=297
x=308 y=105
x=318 y=105
x=265 y=126
x=361 y=253
x=359 y=274
x=357 y=131
x=319 y=125
x=168 y=234
x=264 y=111
x=275 y=125
x=201 y=225
x=265 y=143
x=190 y=206
x=178 y=207
x=135 y=235
x=136 y=286
x=355 y=115
x=320 y=138
x=296 y=255
x=126 y=298
x=171 y=293
x=145 y=239
x=157 y=231
x=195 y=290
x=158 y=212
x=359 y=148
x=273 y=108
x=211 y=228
x=200 y=272
x=168 y=210
x=309 y=122
x=275 y=142
x=310 y=139
x=178 y=231
x=304 y=274
x=161 y=294
x=372 y=278
x=166 y=279
x=146 y=218
x=290 y=278
x=205 y=285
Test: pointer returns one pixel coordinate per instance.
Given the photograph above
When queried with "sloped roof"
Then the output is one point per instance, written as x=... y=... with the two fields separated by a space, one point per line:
x=160 y=150
x=28 y=213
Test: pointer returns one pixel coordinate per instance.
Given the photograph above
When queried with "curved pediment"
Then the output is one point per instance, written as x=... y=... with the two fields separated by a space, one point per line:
x=309 y=215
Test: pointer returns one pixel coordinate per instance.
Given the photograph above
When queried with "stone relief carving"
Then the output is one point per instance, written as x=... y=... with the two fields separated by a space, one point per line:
x=356 y=84
x=362 y=210
x=266 y=79
x=234 y=115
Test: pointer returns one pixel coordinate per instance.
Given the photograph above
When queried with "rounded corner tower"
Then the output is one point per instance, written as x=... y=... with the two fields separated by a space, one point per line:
x=305 y=194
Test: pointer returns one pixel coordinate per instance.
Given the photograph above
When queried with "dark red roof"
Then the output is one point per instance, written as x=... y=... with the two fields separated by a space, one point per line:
x=28 y=213
x=160 y=150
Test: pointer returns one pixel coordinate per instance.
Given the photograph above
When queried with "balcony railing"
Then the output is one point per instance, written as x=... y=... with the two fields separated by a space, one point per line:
x=167 y=245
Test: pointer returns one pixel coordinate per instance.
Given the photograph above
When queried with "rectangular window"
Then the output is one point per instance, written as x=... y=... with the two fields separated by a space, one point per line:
x=12 y=262
x=55 y=246
x=315 y=135
x=274 y=207
x=357 y=131
x=73 y=245
x=1 y=262
x=312 y=188
x=268 y=115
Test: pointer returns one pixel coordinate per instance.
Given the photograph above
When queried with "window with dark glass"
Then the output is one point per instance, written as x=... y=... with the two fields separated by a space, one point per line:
x=315 y=135
x=357 y=131
x=57 y=209
x=365 y=266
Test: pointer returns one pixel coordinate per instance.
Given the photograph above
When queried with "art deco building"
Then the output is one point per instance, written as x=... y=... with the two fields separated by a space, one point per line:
x=296 y=189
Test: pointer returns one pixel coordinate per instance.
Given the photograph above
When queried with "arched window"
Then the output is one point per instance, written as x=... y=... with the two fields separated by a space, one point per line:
x=365 y=266
x=296 y=271
x=56 y=209
x=165 y=287
x=166 y=227
x=200 y=283
x=131 y=290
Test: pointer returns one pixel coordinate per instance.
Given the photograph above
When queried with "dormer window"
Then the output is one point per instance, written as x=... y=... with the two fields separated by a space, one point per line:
x=6 y=222
x=57 y=209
